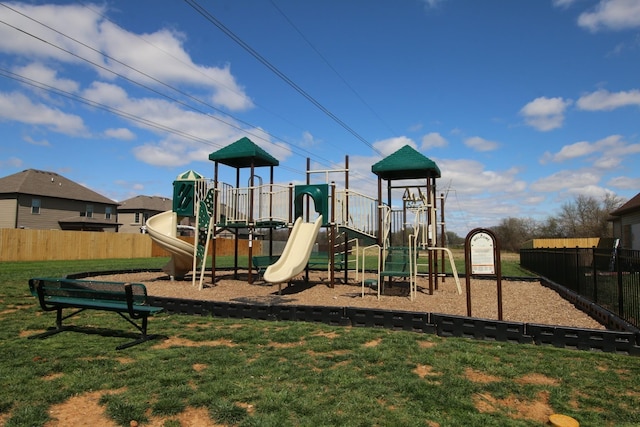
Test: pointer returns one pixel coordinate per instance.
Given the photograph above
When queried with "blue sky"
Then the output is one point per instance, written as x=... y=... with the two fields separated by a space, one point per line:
x=523 y=104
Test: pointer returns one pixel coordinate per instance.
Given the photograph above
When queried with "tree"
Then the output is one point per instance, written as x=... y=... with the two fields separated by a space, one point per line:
x=452 y=239
x=587 y=216
x=513 y=232
x=550 y=229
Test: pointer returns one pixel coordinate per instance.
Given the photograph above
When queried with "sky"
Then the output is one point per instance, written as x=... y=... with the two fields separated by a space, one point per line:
x=523 y=105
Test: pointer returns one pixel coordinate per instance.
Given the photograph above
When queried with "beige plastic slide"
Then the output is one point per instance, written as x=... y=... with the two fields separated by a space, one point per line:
x=162 y=230
x=296 y=252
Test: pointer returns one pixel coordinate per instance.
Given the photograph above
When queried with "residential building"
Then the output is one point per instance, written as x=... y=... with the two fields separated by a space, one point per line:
x=626 y=223
x=133 y=213
x=46 y=200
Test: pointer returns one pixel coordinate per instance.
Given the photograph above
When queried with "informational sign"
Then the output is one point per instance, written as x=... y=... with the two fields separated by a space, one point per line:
x=482 y=254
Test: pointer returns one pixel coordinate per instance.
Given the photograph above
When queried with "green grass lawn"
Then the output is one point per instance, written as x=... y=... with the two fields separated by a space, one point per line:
x=268 y=373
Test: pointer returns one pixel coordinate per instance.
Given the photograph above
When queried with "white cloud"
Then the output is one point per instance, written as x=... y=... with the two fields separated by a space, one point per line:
x=433 y=140
x=624 y=183
x=120 y=133
x=43 y=74
x=545 y=114
x=603 y=100
x=42 y=143
x=308 y=140
x=17 y=107
x=432 y=4
x=391 y=145
x=187 y=135
x=480 y=144
x=609 y=152
x=563 y=3
x=571 y=180
x=11 y=162
x=612 y=15
x=159 y=54
x=471 y=177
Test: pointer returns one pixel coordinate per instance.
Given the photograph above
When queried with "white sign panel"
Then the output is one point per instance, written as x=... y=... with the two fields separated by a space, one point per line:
x=482 y=254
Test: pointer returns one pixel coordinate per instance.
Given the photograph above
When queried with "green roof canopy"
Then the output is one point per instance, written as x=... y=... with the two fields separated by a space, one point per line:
x=242 y=154
x=189 y=175
x=406 y=163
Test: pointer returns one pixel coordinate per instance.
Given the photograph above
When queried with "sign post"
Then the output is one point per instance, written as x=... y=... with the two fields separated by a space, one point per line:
x=482 y=257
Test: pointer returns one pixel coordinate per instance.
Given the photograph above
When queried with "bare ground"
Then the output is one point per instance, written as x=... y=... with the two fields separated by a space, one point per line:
x=523 y=301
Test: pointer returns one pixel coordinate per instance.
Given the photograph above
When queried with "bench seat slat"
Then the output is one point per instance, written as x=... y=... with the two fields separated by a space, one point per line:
x=121 y=306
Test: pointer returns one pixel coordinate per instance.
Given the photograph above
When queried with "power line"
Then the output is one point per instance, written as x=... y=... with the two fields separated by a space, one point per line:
x=257 y=136
x=134 y=117
x=211 y=18
x=196 y=70
x=326 y=61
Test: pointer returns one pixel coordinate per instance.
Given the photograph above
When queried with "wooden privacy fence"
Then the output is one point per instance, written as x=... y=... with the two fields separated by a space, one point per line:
x=49 y=245
x=581 y=242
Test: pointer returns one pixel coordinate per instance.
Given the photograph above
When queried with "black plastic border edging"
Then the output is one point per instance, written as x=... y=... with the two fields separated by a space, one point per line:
x=623 y=342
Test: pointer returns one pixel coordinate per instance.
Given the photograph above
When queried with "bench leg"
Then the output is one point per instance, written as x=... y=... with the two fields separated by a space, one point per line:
x=144 y=337
x=58 y=328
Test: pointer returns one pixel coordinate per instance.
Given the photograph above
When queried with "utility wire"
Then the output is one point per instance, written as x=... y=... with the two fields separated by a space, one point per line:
x=257 y=136
x=195 y=69
x=134 y=117
x=212 y=19
x=326 y=61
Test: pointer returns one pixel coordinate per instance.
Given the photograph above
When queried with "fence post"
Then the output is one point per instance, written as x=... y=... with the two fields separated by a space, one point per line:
x=594 y=273
x=578 y=270
x=620 y=295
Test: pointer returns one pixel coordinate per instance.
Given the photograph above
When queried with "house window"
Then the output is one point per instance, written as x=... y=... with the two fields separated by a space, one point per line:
x=137 y=218
x=107 y=212
x=35 y=206
x=89 y=211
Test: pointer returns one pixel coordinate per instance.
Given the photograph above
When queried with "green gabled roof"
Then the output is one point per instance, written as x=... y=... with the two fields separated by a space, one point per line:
x=243 y=153
x=406 y=163
x=189 y=175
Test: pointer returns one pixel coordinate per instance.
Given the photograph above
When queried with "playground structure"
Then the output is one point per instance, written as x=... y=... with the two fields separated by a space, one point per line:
x=401 y=238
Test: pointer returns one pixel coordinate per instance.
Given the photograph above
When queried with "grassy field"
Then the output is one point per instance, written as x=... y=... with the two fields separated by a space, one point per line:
x=252 y=373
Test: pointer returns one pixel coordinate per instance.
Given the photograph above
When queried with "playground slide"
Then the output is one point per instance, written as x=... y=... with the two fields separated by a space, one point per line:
x=296 y=252
x=162 y=230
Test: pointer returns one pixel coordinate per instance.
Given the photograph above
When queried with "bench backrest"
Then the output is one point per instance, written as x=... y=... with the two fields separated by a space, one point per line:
x=88 y=289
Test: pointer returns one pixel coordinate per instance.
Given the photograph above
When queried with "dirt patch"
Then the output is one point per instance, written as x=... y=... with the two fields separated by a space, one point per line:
x=190 y=417
x=182 y=342
x=199 y=367
x=424 y=371
x=86 y=410
x=52 y=377
x=84 y=407
x=373 y=343
x=480 y=377
x=537 y=410
x=537 y=379
x=523 y=301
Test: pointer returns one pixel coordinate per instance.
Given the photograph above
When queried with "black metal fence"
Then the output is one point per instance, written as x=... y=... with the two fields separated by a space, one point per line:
x=610 y=279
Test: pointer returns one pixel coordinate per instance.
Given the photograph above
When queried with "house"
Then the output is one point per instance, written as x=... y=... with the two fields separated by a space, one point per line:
x=45 y=200
x=626 y=223
x=133 y=213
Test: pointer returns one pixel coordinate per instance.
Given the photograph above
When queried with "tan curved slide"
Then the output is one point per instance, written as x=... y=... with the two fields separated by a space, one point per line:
x=296 y=252
x=162 y=230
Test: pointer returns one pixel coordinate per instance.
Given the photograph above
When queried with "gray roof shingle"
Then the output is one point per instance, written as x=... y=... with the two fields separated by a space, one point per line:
x=146 y=203
x=49 y=184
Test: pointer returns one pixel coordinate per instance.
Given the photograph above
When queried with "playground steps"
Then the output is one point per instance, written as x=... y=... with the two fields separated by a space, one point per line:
x=371 y=284
x=397 y=262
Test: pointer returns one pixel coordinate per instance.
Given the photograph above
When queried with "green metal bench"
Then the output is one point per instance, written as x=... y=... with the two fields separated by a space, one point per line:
x=57 y=294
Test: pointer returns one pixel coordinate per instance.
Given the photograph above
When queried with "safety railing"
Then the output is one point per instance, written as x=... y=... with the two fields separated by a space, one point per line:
x=610 y=279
